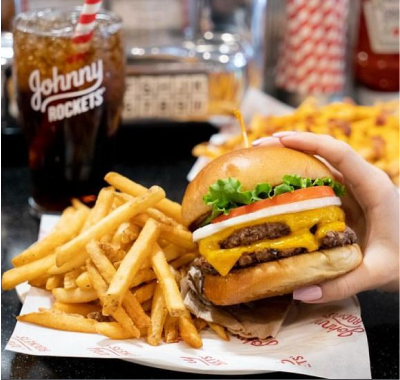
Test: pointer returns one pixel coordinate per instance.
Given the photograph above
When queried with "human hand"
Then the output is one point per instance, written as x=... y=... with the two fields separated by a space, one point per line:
x=372 y=211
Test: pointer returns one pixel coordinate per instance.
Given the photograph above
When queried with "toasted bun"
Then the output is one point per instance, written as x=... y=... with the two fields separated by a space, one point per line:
x=280 y=277
x=250 y=166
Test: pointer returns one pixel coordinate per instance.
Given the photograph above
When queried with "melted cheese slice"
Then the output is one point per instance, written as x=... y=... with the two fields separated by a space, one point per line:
x=326 y=219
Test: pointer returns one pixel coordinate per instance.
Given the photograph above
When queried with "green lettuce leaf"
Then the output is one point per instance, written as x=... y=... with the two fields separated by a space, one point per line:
x=227 y=194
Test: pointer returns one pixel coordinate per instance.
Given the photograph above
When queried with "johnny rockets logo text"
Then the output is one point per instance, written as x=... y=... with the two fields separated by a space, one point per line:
x=50 y=95
x=27 y=344
x=258 y=342
x=296 y=361
x=111 y=351
x=344 y=325
x=203 y=360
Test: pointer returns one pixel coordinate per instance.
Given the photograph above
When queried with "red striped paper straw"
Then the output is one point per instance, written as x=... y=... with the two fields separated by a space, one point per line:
x=87 y=22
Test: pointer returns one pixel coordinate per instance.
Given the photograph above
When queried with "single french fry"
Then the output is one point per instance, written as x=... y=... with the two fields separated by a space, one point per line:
x=39 y=282
x=200 y=324
x=171 y=334
x=107 y=271
x=171 y=252
x=76 y=308
x=221 y=332
x=158 y=314
x=101 y=208
x=77 y=204
x=183 y=260
x=154 y=213
x=54 y=282
x=60 y=321
x=110 y=223
x=144 y=275
x=83 y=281
x=188 y=331
x=66 y=217
x=27 y=272
x=76 y=295
x=172 y=295
x=112 y=330
x=125 y=185
x=70 y=278
x=178 y=236
x=119 y=314
x=74 y=263
x=174 y=235
x=54 y=239
x=130 y=265
x=123 y=233
x=145 y=292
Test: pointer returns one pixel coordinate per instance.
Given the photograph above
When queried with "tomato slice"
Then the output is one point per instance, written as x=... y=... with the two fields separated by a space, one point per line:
x=296 y=196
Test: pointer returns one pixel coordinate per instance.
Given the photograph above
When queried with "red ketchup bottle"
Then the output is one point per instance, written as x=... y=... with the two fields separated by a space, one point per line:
x=377 y=49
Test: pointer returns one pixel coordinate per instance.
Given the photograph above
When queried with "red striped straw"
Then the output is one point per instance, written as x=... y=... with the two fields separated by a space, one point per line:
x=87 y=21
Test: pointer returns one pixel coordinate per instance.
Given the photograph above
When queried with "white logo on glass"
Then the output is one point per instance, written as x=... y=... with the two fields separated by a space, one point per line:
x=56 y=88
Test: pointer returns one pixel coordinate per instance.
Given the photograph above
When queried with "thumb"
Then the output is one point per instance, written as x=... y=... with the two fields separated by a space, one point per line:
x=362 y=278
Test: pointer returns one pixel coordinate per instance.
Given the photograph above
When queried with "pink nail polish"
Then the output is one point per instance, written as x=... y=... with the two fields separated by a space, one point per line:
x=263 y=140
x=309 y=293
x=284 y=133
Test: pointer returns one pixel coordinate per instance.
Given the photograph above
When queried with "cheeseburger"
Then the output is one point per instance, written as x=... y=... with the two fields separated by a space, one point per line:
x=267 y=221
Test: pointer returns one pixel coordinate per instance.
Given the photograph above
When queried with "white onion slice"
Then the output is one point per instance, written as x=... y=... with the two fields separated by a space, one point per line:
x=288 y=208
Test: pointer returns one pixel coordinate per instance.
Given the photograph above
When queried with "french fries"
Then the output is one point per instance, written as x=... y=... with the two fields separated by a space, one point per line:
x=188 y=331
x=158 y=315
x=76 y=308
x=172 y=295
x=119 y=314
x=127 y=186
x=114 y=269
x=130 y=265
x=60 y=321
x=107 y=271
x=112 y=330
x=76 y=295
x=64 y=231
x=110 y=223
x=171 y=333
x=27 y=272
x=221 y=332
x=372 y=131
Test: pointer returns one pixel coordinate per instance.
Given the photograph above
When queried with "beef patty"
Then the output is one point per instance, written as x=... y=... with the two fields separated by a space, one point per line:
x=331 y=240
x=252 y=234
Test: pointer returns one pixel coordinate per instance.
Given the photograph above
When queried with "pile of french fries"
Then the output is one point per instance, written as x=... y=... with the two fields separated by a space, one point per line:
x=115 y=269
x=372 y=131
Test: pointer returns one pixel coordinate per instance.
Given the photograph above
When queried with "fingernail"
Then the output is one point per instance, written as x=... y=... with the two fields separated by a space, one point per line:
x=309 y=293
x=263 y=140
x=284 y=134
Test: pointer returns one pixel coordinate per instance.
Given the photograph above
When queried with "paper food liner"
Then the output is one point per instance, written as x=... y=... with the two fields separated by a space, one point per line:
x=261 y=319
x=323 y=340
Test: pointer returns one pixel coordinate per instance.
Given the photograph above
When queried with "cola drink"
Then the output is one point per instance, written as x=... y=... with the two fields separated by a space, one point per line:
x=69 y=99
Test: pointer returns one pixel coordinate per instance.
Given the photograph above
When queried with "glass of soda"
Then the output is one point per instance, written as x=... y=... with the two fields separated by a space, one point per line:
x=69 y=99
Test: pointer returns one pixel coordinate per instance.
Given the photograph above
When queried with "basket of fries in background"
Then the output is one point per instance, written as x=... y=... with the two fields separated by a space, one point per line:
x=372 y=131
x=115 y=269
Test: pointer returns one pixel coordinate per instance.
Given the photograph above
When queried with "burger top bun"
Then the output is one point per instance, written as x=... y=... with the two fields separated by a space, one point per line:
x=250 y=166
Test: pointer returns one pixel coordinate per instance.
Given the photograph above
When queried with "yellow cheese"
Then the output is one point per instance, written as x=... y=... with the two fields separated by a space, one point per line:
x=325 y=219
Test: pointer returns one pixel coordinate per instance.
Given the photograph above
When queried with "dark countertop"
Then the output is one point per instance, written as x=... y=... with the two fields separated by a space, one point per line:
x=149 y=156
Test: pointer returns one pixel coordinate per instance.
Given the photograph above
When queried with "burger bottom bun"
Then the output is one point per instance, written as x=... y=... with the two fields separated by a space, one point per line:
x=282 y=276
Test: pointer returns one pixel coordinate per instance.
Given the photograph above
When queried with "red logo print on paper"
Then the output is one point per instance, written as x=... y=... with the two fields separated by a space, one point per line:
x=203 y=360
x=258 y=342
x=297 y=361
x=26 y=343
x=343 y=325
x=111 y=351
